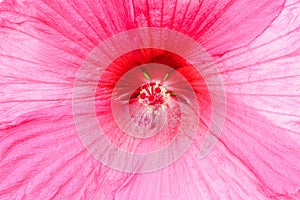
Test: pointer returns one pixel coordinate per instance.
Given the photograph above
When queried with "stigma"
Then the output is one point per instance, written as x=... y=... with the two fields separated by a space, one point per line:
x=154 y=96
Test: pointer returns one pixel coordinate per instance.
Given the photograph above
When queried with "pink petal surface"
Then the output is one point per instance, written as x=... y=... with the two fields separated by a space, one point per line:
x=267 y=150
x=56 y=165
x=43 y=44
x=274 y=91
x=219 y=26
x=269 y=84
x=43 y=158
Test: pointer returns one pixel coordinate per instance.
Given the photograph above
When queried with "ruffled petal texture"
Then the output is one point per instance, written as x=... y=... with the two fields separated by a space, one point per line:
x=219 y=26
x=255 y=45
x=264 y=78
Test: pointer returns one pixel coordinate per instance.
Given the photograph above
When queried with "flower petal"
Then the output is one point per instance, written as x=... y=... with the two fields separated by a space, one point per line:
x=55 y=36
x=269 y=151
x=43 y=158
x=266 y=74
x=262 y=83
x=49 y=161
x=219 y=176
x=219 y=26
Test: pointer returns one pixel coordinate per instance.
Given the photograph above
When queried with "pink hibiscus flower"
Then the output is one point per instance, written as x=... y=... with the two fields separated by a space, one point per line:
x=150 y=99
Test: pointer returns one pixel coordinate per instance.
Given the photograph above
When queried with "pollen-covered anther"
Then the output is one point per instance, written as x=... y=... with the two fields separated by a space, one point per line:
x=154 y=96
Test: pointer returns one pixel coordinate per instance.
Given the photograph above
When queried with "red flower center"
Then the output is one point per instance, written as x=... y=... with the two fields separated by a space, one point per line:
x=154 y=96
